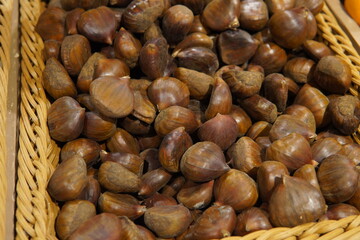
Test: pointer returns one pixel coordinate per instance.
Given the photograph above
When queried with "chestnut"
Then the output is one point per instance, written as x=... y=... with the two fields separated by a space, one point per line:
x=253 y=15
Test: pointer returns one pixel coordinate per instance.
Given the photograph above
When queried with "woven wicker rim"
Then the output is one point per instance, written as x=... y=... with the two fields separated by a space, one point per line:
x=38 y=154
x=6 y=8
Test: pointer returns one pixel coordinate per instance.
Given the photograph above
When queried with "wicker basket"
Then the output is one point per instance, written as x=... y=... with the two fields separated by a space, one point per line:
x=6 y=11
x=38 y=154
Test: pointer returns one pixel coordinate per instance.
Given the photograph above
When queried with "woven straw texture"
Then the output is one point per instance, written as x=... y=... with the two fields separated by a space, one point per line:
x=5 y=43
x=38 y=154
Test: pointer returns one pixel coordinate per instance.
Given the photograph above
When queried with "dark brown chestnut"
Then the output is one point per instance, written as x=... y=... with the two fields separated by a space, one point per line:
x=198 y=58
x=196 y=195
x=216 y=222
x=168 y=221
x=315 y=6
x=251 y=220
x=86 y=75
x=51 y=24
x=65 y=119
x=173 y=117
x=308 y=173
x=176 y=23
x=121 y=205
x=298 y=69
x=72 y=215
x=325 y=147
x=172 y=147
x=270 y=56
x=338 y=178
x=168 y=91
x=140 y=14
x=236 y=46
x=68 y=179
x=333 y=74
x=75 y=51
x=245 y=156
x=88 y=149
x=122 y=141
x=291 y=28
x=253 y=15
x=279 y=5
x=221 y=129
x=112 y=96
x=294 y=202
x=221 y=20
x=51 y=49
x=153 y=181
x=57 y=81
x=220 y=100
x=227 y=192
x=127 y=47
x=98 y=127
x=268 y=173
x=203 y=161
x=276 y=90
x=111 y=67
x=241 y=118
x=71 y=20
x=302 y=113
x=316 y=50
x=259 y=108
x=132 y=162
x=158 y=199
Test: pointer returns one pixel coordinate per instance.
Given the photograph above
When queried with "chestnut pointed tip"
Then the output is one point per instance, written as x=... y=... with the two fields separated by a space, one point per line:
x=314 y=163
x=225 y=233
x=174 y=54
x=234 y=24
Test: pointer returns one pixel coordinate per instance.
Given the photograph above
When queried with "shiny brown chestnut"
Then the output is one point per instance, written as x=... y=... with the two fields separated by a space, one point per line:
x=325 y=147
x=51 y=24
x=316 y=50
x=315 y=6
x=279 y=5
x=111 y=67
x=65 y=119
x=176 y=23
x=168 y=91
x=267 y=175
x=153 y=181
x=333 y=74
x=251 y=220
x=92 y=190
x=339 y=211
x=259 y=129
x=298 y=69
x=57 y=81
x=132 y=162
x=127 y=47
x=107 y=92
x=88 y=149
x=151 y=159
x=241 y=118
x=236 y=46
x=72 y=215
x=315 y=101
x=105 y=226
x=218 y=21
x=216 y=222
x=172 y=147
x=122 y=141
x=221 y=129
x=295 y=201
x=276 y=90
x=196 y=39
x=253 y=15
x=308 y=173
x=220 y=100
x=259 y=108
x=168 y=221
x=302 y=113
x=335 y=172
x=86 y=75
x=154 y=58
x=203 y=161
x=198 y=58
x=68 y=179
x=245 y=156
x=75 y=51
x=98 y=127
x=270 y=56
x=196 y=195
x=227 y=192
x=291 y=28
x=140 y=14
x=121 y=205
x=173 y=117
x=199 y=84
x=116 y=178
x=172 y=188
x=158 y=199
x=71 y=20
x=197 y=25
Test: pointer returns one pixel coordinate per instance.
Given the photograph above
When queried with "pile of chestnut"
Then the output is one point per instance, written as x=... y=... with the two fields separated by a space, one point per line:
x=196 y=119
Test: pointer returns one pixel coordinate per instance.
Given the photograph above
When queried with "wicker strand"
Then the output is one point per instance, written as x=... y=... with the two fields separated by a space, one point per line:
x=38 y=154
x=5 y=52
